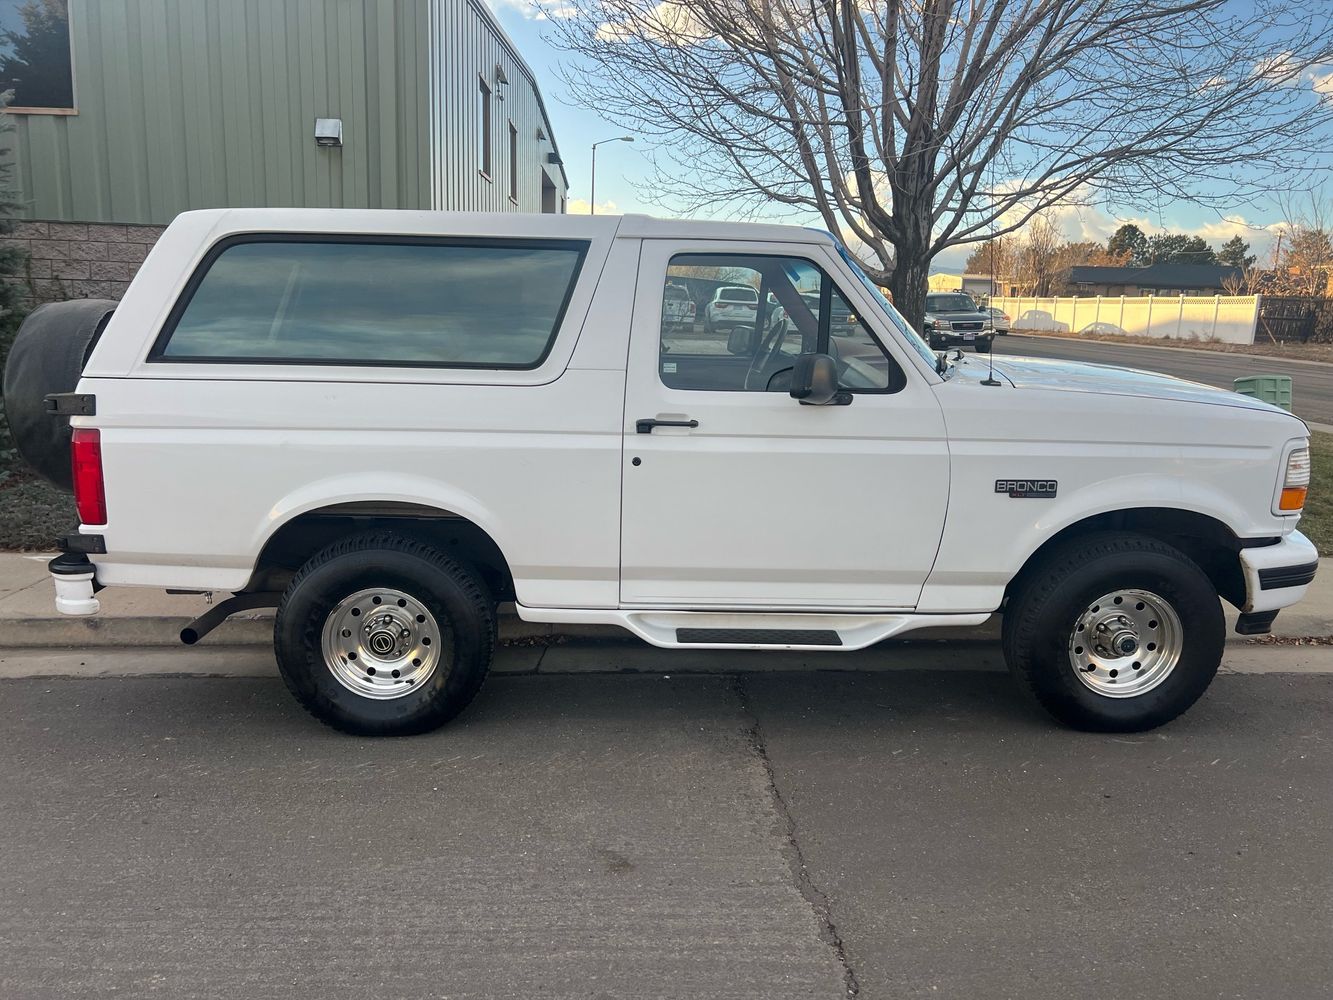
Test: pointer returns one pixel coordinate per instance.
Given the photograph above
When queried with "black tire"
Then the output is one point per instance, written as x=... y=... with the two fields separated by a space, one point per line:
x=982 y=346
x=451 y=592
x=1042 y=614
x=48 y=355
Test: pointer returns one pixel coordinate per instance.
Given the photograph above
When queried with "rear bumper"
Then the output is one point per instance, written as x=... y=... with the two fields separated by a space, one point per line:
x=1277 y=576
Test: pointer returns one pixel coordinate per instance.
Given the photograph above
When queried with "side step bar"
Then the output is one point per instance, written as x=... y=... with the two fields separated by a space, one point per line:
x=827 y=631
x=757 y=637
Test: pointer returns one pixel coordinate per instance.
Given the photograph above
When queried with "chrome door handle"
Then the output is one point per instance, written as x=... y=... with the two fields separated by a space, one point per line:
x=646 y=426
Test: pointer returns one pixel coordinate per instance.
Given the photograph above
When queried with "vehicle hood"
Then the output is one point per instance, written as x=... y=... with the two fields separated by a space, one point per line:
x=1075 y=376
x=958 y=314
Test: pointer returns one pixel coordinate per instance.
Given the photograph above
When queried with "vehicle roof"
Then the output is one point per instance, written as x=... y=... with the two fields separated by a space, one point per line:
x=517 y=224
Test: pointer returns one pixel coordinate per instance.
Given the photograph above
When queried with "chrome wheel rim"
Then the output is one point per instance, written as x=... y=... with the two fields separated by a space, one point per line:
x=381 y=643
x=1126 y=643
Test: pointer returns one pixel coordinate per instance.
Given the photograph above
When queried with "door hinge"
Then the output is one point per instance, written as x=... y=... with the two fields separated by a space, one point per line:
x=71 y=404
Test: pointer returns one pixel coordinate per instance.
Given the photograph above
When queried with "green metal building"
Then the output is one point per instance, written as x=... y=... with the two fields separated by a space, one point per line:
x=169 y=105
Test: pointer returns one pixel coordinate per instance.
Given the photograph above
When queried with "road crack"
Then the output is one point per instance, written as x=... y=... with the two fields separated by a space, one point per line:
x=815 y=897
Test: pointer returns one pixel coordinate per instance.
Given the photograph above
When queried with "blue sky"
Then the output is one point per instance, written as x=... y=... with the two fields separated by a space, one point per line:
x=623 y=172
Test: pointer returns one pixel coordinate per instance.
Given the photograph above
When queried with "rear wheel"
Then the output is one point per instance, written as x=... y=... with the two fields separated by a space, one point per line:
x=1115 y=633
x=381 y=635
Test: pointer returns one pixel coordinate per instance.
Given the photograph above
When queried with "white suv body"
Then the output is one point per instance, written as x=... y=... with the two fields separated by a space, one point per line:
x=618 y=477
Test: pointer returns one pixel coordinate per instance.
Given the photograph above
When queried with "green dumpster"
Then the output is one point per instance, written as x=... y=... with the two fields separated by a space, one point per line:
x=1275 y=389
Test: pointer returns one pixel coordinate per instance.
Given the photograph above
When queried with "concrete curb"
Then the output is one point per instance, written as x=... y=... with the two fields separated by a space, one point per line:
x=256 y=629
x=619 y=657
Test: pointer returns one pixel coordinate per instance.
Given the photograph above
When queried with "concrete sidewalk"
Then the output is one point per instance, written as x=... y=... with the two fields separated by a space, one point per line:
x=135 y=617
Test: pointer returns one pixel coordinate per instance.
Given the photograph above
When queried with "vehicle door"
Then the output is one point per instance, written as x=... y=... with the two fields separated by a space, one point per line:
x=735 y=494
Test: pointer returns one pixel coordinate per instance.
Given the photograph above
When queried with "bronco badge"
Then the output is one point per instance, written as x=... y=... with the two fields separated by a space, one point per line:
x=1039 y=489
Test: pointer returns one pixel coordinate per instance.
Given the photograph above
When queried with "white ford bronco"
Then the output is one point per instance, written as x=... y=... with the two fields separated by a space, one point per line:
x=384 y=424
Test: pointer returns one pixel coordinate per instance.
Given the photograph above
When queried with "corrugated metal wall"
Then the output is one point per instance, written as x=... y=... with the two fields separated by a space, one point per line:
x=206 y=103
x=458 y=71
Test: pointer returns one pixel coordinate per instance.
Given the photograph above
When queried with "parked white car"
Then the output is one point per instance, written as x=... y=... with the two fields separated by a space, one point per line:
x=730 y=307
x=386 y=423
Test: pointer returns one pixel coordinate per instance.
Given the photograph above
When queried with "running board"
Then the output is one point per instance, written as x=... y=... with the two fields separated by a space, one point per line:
x=758 y=637
x=799 y=630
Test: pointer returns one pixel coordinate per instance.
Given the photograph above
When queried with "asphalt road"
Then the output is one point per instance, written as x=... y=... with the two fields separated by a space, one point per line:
x=905 y=834
x=1312 y=384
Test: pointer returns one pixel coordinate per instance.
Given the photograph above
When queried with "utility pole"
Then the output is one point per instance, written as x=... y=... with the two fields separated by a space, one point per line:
x=592 y=194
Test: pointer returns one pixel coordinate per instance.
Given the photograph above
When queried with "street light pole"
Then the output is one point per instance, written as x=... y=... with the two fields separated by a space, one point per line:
x=592 y=194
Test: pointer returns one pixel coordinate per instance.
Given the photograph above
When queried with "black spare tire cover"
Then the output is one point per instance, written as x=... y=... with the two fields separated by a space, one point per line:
x=47 y=356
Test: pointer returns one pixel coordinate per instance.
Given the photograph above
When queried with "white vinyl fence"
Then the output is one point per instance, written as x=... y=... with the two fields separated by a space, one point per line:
x=1227 y=318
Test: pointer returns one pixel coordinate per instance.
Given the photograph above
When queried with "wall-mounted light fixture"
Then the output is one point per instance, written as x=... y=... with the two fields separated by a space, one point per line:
x=501 y=81
x=328 y=131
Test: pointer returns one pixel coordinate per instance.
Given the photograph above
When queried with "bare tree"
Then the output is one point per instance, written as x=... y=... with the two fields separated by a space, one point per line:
x=1307 y=234
x=912 y=126
x=1038 y=257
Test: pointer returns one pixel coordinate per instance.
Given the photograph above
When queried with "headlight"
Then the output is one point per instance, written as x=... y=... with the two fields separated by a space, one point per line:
x=1295 y=481
x=943 y=324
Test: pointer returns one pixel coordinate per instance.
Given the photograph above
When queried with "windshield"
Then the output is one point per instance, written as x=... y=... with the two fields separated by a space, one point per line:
x=950 y=304
x=913 y=338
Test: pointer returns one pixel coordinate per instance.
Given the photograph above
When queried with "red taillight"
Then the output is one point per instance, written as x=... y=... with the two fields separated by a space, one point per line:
x=89 y=489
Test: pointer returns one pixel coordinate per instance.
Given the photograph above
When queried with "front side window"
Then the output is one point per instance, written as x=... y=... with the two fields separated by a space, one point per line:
x=419 y=303
x=35 y=58
x=752 y=316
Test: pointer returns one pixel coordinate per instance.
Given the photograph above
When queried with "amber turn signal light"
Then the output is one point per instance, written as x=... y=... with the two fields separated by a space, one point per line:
x=1293 y=498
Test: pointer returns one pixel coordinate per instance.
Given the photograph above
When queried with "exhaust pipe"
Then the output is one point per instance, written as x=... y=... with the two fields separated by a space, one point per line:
x=223 y=610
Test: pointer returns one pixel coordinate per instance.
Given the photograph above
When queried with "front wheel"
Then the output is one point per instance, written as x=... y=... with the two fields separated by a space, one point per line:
x=1115 y=633
x=381 y=635
x=982 y=345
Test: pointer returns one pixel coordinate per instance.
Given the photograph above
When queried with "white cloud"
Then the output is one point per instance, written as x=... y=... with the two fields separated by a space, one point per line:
x=668 y=22
x=533 y=10
x=581 y=206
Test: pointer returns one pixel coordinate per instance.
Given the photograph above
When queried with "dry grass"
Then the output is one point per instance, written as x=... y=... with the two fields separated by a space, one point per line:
x=33 y=513
x=1317 y=522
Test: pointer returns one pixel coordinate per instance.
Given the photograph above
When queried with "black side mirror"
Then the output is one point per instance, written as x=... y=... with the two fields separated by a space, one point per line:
x=814 y=381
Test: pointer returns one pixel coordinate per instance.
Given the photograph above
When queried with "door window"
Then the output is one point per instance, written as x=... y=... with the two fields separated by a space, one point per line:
x=753 y=316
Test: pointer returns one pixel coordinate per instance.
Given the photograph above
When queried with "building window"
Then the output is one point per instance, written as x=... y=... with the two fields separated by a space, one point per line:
x=513 y=163
x=35 y=61
x=339 y=301
x=485 y=136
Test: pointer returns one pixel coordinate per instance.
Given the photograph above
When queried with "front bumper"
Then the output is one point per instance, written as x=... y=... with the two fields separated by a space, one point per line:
x=957 y=338
x=1277 y=576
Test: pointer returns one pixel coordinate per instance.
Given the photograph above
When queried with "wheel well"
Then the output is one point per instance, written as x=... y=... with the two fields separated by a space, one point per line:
x=300 y=538
x=1207 y=541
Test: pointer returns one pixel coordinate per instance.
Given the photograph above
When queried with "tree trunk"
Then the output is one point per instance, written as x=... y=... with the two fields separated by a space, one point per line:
x=908 y=285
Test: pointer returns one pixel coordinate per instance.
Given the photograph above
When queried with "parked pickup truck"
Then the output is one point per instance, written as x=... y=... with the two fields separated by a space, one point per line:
x=385 y=424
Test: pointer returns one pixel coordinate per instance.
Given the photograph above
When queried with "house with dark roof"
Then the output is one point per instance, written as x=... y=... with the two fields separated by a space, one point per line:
x=1155 y=279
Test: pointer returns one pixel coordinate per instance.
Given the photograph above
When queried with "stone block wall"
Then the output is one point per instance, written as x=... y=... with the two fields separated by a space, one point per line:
x=76 y=260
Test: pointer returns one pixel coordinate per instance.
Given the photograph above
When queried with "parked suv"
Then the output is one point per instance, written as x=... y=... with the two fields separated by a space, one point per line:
x=731 y=307
x=385 y=424
x=953 y=319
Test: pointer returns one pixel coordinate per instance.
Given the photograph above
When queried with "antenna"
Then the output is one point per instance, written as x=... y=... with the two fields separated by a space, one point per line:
x=990 y=344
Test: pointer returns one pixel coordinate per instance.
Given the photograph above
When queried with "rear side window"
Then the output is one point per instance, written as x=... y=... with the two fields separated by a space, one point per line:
x=424 y=303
